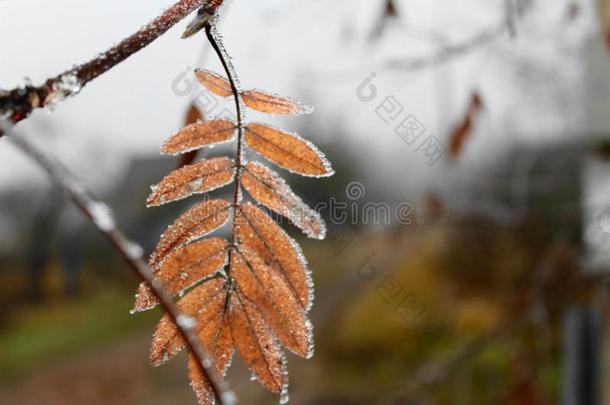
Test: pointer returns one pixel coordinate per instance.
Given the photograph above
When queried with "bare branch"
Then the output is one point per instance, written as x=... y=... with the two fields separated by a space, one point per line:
x=102 y=217
x=446 y=53
x=18 y=104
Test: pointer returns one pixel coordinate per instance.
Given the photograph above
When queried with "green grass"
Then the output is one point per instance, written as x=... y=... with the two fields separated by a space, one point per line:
x=49 y=331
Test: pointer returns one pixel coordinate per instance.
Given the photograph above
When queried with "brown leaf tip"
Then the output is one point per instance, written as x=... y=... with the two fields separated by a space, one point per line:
x=288 y=150
x=269 y=189
x=198 y=178
x=200 y=134
x=270 y=103
x=214 y=82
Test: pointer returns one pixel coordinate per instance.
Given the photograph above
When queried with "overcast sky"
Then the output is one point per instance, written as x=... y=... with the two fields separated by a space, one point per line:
x=319 y=51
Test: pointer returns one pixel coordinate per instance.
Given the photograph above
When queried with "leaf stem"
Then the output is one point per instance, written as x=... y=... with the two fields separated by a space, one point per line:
x=218 y=47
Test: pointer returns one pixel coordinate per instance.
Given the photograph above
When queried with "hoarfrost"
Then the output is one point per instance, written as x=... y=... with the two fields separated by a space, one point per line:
x=186 y=322
x=102 y=216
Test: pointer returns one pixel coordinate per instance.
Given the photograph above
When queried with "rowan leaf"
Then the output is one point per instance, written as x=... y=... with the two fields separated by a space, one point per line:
x=183 y=268
x=257 y=345
x=273 y=104
x=198 y=135
x=269 y=189
x=257 y=231
x=266 y=289
x=214 y=82
x=253 y=293
x=193 y=115
x=200 y=177
x=288 y=150
x=201 y=219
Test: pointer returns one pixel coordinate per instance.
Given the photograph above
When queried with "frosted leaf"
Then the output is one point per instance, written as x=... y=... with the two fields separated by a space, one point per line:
x=284 y=396
x=198 y=178
x=269 y=189
x=198 y=135
x=197 y=222
x=256 y=344
x=267 y=290
x=257 y=231
x=310 y=340
x=198 y=260
x=260 y=300
x=214 y=82
x=273 y=104
x=205 y=304
x=287 y=150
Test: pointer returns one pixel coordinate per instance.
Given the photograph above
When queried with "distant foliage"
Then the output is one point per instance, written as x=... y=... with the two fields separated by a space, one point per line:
x=463 y=132
x=252 y=292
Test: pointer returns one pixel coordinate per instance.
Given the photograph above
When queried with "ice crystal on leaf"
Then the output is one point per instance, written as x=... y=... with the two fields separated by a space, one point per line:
x=251 y=293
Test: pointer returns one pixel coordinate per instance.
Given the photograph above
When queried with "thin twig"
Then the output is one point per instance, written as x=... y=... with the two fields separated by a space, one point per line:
x=17 y=104
x=102 y=217
x=446 y=53
x=511 y=17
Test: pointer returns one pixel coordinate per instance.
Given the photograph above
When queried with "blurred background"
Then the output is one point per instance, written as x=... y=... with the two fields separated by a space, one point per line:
x=469 y=221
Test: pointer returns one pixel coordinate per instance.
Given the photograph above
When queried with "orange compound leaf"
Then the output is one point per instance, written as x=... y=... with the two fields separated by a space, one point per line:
x=288 y=151
x=273 y=104
x=201 y=219
x=266 y=289
x=257 y=345
x=199 y=135
x=214 y=82
x=269 y=189
x=198 y=178
x=257 y=231
x=253 y=293
x=183 y=268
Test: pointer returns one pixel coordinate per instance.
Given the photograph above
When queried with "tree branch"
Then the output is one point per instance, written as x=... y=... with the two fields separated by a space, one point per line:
x=17 y=104
x=446 y=53
x=102 y=217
